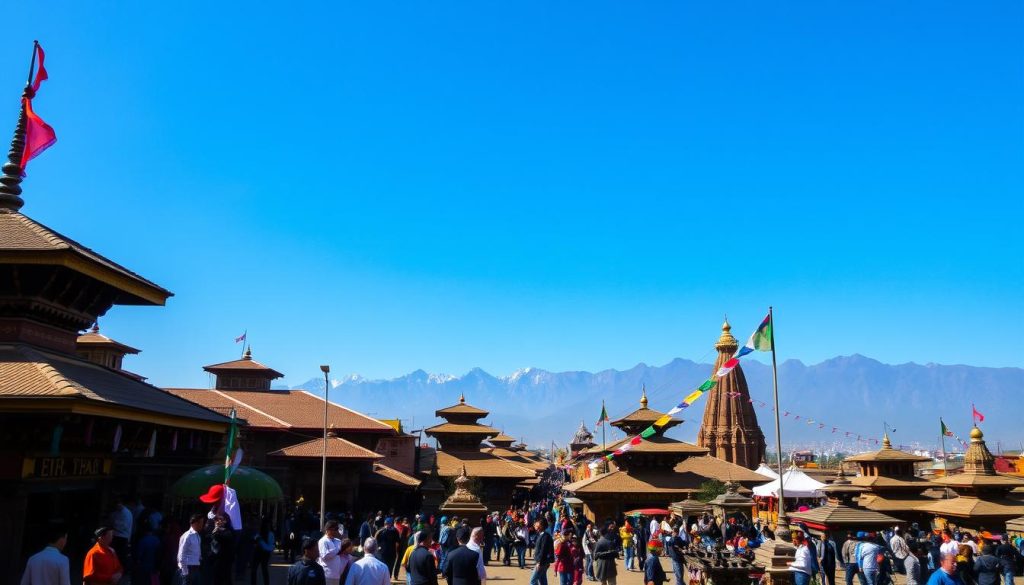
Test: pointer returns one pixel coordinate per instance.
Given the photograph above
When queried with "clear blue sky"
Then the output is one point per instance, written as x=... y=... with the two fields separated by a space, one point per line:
x=566 y=185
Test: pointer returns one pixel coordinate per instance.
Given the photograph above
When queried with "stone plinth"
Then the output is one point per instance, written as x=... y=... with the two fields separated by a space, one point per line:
x=719 y=567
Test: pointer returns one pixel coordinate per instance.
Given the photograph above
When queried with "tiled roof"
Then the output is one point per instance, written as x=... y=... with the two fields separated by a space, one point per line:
x=461 y=408
x=449 y=464
x=246 y=363
x=515 y=457
x=879 y=481
x=720 y=469
x=28 y=372
x=1000 y=480
x=20 y=234
x=384 y=476
x=972 y=507
x=655 y=444
x=888 y=454
x=835 y=515
x=644 y=482
x=337 y=448
x=96 y=339
x=644 y=415
x=454 y=428
x=502 y=438
x=881 y=504
x=282 y=409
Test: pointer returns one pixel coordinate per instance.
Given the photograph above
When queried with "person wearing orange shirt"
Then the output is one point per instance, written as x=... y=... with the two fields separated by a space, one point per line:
x=102 y=567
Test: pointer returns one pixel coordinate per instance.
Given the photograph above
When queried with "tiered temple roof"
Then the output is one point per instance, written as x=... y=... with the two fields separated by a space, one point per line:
x=982 y=492
x=889 y=479
x=729 y=429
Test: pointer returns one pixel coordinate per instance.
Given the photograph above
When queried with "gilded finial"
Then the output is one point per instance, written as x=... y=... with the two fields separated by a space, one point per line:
x=643 y=397
x=886 y=443
x=976 y=434
x=248 y=353
x=726 y=342
x=462 y=398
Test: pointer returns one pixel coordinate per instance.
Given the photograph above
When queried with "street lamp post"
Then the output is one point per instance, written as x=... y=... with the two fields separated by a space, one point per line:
x=323 y=467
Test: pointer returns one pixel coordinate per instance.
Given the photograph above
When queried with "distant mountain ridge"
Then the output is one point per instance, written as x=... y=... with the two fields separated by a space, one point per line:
x=854 y=393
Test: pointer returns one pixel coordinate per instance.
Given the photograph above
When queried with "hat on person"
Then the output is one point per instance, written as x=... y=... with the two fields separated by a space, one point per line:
x=862 y=534
x=102 y=530
x=213 y=495
x=389 y=520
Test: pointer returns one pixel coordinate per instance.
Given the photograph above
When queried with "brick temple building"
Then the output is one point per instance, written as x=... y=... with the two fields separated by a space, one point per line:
x=729 y=430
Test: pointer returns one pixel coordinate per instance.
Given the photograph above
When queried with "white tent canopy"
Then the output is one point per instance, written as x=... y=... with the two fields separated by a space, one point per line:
x=767 y=471
x=795 y=483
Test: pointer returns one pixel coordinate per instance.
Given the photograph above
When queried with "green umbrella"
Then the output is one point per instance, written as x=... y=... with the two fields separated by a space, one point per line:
x=249 y=483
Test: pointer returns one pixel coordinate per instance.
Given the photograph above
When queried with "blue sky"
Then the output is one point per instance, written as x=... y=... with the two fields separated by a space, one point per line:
x=572 y=185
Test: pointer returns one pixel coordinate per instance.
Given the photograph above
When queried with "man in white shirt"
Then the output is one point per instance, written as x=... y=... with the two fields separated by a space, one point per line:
x=49 y=566
x=655 y=527
x=190 y=551
x=369 y=570
x=899 y=548
x=330 y=548
x=121 y=520
x=476 y=544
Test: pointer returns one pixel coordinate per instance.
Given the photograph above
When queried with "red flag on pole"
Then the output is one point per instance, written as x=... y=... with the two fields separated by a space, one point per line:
x=38 y=134
x=977 y=415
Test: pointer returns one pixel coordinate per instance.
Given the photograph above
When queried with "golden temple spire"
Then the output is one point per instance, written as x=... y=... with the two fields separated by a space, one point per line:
x=643 y=397
x=886 y=443
x=462 y=398
x=726 y=341
x=248 y=353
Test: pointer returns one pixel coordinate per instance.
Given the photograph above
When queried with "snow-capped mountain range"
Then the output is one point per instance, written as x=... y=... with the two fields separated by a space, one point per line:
x=854 y=393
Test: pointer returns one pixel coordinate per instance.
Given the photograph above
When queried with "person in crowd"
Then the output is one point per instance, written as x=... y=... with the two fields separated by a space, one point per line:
x=404 y=531
x=867 y=553
x=589 y=541
x=121 y=520
x=803 y=566
x=476 y=544
x=448 y=540
x=965 y=564
x=369 y=570
x=1007 y=555
x=489 y=536
x=654 y=574
x=912 y=567
x=899 y=547
x=946 y=573
x=543 y=553
x=264 y=540
x=222 y=550
x=506 y=537
x=49 y=566
x=190 y=552
x=366 y=528
x=827 y=556
x=102 y=566
x=387 y=543
x=307 y=571
x=674 y=549
x=641 y=536
x=987 y=568
x=606 y=555
x=949 y=545
x=627 y=537
x=329 y=553
x=564 y=562
x=421 y=567
x=522 y=540
x=146 y=570
x=463 y=562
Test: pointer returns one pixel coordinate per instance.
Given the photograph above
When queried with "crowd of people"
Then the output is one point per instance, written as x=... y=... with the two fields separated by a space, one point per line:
x=950 y=557
x=139 y=546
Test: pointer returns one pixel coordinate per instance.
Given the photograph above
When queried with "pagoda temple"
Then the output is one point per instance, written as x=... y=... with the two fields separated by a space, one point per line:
x=890 y=483
x=981 y=500
x=370 y=464
x=655 y=472
x=841 y=515
x=581 y=440
x=75 y=429
x=459 y=448
x=729 y=430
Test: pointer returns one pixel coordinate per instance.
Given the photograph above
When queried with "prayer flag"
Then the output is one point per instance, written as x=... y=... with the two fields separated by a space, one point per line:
x=38 y=134
x=945 y=430
x=977 y=416
x=648 y=432
x=635 y=440
x=727 y=367
x=760 y=339
x=41 y=74
x=707 y=385
x=664 y=420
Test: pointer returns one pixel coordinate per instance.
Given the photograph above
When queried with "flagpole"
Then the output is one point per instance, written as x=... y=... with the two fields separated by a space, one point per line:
x=604 y=442
x=781 y=526
x=32 y=63
x=945 y=455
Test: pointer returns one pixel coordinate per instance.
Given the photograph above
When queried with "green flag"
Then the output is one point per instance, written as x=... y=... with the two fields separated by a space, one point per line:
x=604 y=416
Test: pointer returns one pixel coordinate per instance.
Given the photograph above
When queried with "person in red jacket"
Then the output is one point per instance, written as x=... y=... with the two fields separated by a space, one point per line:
x=102 y=567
